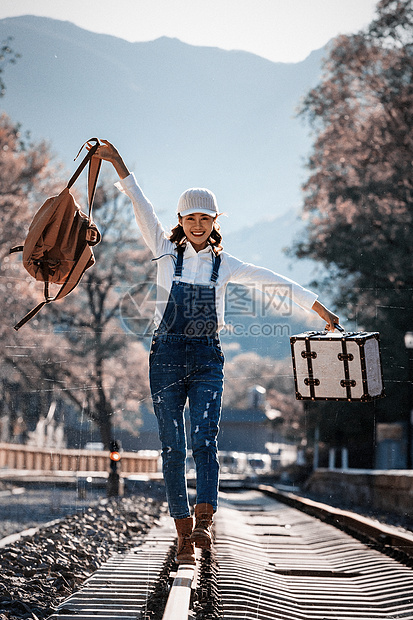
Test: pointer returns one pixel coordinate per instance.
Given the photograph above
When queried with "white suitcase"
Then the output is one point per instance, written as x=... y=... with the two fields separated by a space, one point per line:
x=337 y=366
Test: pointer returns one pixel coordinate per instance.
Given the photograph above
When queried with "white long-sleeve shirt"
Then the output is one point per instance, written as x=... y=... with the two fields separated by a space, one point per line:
x=197 y=266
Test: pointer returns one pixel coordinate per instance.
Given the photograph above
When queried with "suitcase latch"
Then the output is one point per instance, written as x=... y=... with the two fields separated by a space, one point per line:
x=308 y=381
x=345 y=356
x=308 y=354
x=348 y=383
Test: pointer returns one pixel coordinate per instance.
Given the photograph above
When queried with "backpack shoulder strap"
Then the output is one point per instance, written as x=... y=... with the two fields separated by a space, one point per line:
x=94 y=169
x=84 y=161
x=72 y=281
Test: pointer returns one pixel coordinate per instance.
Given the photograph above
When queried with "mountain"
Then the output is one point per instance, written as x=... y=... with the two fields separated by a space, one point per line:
x=182 y=116
x=265 y=243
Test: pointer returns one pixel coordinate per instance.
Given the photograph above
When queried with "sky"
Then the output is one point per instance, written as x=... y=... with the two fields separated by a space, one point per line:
x=280 y=30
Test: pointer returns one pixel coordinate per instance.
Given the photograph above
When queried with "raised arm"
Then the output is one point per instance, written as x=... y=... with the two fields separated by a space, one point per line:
x=108 y=152
x=146 y=218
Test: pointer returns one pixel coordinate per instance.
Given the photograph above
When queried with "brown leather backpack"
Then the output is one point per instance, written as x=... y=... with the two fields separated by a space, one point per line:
x=58 y=248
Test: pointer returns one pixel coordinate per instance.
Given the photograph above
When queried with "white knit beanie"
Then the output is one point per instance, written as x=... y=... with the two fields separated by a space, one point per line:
x=197 y=200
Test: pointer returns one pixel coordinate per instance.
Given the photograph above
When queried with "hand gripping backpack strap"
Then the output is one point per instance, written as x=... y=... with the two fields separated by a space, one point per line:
x=80 y=266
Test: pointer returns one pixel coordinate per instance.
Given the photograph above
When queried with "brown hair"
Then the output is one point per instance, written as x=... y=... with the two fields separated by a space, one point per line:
x=178 y=236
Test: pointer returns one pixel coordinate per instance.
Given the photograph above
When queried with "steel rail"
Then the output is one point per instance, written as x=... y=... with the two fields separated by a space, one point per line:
x=277 y=562
x=377 y=532
x=31 y=531
x=179 y=599
x=124 y=586
x=121 y=588
x=271 y=562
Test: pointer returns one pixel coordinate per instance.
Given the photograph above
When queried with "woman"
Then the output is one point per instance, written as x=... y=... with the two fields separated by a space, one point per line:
x=186 y=360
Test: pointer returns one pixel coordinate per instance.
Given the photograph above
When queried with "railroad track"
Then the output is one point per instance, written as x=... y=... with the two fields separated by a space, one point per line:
x=270 y=561
x=279 y=563
x=129 y=584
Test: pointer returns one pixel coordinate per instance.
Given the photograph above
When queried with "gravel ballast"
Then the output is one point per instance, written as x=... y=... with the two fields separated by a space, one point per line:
x=40 y=571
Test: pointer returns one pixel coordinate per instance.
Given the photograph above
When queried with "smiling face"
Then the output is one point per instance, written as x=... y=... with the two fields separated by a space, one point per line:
x=197 y=228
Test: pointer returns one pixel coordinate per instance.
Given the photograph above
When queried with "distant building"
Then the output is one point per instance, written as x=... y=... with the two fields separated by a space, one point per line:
x=243 y=430
x=247 y=430
x=391 y=446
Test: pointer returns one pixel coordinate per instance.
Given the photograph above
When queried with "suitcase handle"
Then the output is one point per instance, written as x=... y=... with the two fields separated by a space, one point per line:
x=325 y=332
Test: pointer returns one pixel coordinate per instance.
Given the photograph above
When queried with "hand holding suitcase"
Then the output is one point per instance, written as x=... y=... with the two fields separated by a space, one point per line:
x=337 y=366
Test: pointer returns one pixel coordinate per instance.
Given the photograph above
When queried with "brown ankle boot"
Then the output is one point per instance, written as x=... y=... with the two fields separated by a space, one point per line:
x=201 y=536
x=185 y=553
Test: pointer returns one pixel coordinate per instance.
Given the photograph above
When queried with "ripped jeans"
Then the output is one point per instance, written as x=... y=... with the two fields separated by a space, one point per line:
x=184 y=368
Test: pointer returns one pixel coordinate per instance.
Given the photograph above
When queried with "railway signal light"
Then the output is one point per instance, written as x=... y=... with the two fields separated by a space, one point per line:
x=114 y=460
x=114 y=463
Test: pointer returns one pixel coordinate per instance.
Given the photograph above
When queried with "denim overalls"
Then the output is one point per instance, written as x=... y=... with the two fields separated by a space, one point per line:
x=186 y=361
